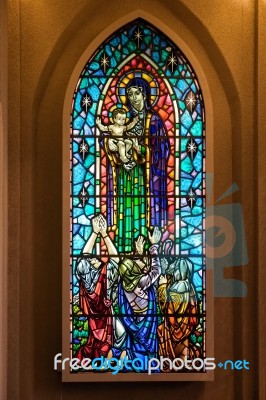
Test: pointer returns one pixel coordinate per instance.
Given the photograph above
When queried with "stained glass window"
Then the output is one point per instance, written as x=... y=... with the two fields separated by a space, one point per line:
x=137 y=208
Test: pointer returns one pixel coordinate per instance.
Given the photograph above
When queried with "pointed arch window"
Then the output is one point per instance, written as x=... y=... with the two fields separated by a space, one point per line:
x=137 y=209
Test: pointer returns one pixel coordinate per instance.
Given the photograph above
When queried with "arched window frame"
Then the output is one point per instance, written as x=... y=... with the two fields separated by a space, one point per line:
x=209 y=168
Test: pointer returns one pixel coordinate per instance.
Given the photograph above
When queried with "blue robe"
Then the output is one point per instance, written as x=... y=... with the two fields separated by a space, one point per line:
x=141 y=334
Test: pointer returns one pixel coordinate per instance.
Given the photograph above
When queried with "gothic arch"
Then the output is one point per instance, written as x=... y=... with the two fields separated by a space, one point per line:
x=68 y=101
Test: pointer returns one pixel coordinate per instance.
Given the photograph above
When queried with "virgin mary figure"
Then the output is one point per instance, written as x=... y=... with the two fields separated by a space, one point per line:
x=137 y=189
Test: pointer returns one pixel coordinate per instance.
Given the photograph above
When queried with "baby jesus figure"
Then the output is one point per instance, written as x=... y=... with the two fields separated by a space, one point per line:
x=117 y=131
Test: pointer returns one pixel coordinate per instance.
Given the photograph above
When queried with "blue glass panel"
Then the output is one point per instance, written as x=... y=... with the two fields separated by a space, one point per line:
x=78 y=242
x=186 y=119
x=78 y=123
x=197 y=280
x=198 y=263
x=77 y=211
x=196 y=129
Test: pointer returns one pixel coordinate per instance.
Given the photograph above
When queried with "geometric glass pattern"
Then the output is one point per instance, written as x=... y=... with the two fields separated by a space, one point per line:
x=137 y=207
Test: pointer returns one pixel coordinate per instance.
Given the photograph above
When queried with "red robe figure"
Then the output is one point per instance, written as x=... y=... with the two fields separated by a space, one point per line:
x=93 y=301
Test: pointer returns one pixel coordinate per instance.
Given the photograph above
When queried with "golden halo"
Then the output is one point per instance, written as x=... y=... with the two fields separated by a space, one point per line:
x=119 y=106
x=128 y=76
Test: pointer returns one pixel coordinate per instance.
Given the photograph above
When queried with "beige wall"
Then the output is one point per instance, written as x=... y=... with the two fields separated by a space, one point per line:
x=46 y=40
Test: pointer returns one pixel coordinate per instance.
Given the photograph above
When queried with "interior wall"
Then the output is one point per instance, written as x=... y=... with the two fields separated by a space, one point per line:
x=260 y=193
x=46 y=40
x=3 y=199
